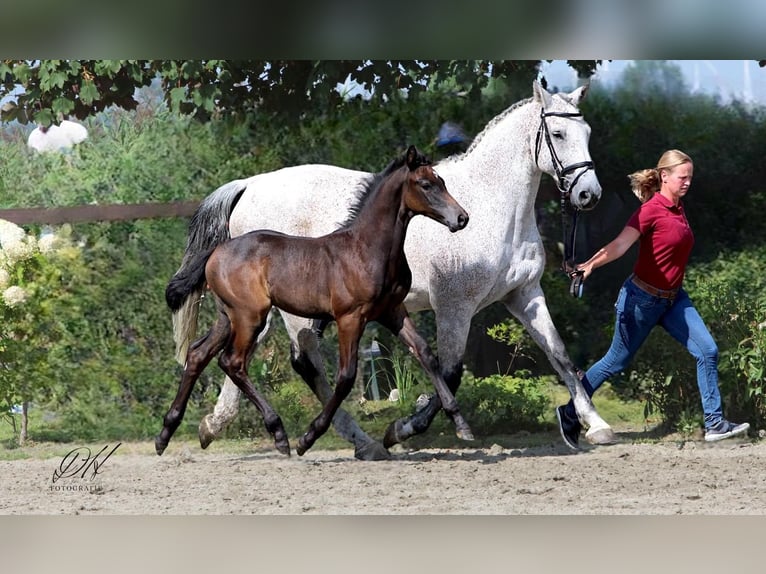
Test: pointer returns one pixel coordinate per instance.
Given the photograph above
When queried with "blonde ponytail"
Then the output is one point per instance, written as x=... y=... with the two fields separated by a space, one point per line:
x=645 y=183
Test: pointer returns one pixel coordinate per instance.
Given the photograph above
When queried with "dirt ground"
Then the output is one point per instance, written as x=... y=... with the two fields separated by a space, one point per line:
x=666 y=478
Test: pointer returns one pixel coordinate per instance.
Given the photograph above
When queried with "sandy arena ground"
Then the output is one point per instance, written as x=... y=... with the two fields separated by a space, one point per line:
x=667 y=478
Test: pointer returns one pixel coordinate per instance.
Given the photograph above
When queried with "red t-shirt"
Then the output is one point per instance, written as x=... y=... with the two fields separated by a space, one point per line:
x=665 y=244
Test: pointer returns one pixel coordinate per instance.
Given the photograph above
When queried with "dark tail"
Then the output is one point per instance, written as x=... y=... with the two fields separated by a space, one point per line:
x=186 y=281
x=209 y=227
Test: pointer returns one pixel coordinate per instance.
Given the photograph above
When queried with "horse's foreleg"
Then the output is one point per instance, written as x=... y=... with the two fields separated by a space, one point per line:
x=307 y=362
x=227 y=404
x=234 y=361
x=530 y=309
x=401 y=325
x=350 y=330
x=197 y=359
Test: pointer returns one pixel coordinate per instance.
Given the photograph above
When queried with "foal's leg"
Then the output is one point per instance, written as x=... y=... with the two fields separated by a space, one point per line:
x=198 y=357
x=307 y=362
x=529 y=307
x=401 y=325
x=227 y=405
x=350 y=330
x=234 y=361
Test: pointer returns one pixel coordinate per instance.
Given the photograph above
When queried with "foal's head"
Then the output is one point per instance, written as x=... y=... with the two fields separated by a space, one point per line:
x=426 y=194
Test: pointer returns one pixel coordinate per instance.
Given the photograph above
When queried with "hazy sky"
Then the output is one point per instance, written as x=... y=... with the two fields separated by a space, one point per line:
x=728 y=78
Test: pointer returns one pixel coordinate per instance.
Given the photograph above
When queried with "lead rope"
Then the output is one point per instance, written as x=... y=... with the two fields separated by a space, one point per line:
x=569 y=263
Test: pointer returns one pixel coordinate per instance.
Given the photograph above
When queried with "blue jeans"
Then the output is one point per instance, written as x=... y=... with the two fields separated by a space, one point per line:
x=637 y=314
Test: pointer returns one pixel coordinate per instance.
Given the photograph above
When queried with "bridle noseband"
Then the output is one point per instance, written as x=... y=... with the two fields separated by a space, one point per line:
x=564 y=187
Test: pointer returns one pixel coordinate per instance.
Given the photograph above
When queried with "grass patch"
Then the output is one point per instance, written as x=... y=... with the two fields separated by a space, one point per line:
x=626 y=417
x=621 y=415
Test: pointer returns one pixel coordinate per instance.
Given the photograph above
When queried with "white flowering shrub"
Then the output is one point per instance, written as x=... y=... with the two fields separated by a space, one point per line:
x=33 y=284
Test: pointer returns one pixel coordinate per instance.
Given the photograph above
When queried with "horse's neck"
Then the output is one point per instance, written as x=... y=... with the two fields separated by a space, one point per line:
x=503 y=164
x=382 y=224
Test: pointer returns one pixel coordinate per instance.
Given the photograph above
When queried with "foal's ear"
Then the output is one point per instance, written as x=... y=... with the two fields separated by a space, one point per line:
x=412 y=158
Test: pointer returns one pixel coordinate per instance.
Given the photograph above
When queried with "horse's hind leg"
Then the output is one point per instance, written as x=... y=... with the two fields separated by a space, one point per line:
x=234 y=361
x=451 y=335
x=528 y=306
x=197 y=359
x=307 y=362
x=227 y=405
x=401 y=325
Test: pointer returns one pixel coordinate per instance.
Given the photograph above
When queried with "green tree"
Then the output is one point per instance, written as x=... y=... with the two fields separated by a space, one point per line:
x=53 y=90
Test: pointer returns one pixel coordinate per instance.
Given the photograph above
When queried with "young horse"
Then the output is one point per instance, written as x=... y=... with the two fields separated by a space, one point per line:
x=354 y=275
x=499 y=257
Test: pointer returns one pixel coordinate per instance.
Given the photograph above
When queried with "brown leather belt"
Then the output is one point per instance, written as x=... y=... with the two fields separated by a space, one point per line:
x=661 y=293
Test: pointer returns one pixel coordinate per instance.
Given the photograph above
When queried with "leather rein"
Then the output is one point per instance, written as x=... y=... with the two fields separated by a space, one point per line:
x=564 y=186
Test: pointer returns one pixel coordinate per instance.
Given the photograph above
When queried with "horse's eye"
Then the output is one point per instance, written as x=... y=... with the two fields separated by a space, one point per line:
x=558 y=135
x=426 y=184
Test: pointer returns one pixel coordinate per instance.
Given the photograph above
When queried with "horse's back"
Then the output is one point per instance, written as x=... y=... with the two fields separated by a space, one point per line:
x=306 y=200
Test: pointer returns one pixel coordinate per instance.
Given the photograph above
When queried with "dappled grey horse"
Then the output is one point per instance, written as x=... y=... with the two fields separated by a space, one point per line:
x=499 y=257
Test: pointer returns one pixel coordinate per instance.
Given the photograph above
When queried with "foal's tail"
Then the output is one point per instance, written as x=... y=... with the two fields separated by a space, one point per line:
x=209 y=227
x=187 y=281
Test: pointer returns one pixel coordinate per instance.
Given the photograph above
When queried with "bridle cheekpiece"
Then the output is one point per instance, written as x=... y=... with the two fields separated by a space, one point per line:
x=564 y=187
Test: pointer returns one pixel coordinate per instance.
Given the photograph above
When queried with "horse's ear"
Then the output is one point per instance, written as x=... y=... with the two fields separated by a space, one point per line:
x=541 y=95
x=412 y=158
x=578 y=95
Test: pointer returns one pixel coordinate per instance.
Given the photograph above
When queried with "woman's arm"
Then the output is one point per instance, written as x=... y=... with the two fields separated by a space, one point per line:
x=611 y=251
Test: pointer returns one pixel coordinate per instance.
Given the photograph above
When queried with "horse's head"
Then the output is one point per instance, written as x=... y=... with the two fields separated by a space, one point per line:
x=425 y=193
x=561 y=146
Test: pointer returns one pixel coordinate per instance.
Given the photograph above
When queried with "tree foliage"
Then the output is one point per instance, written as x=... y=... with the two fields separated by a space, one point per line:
x=53 y=90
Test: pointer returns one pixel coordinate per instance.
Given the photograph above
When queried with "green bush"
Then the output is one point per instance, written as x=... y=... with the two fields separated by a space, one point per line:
x=730 y=292
x=501 y=404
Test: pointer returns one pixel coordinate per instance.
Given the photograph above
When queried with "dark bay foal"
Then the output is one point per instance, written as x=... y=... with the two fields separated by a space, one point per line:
x=355 y=275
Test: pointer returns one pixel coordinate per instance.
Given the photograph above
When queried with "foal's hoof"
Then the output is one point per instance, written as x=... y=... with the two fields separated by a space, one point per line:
x=302 y=447
x=393 y=434
x=206 y=435
x=603 y=436
x=373 y=450
x=283 y=446
x=159 y=446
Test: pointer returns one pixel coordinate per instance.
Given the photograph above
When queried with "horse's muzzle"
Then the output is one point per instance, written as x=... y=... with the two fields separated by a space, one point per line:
x=462 y=221
x=587 y=199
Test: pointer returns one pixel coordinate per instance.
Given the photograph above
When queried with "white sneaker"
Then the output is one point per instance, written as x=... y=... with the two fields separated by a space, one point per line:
x=725 y=429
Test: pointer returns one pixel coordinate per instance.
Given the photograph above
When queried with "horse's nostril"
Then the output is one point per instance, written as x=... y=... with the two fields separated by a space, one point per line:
x=588 y=199
x=462 y=220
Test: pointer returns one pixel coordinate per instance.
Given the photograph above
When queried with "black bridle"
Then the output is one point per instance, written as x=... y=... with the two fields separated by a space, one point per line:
x=564 y=187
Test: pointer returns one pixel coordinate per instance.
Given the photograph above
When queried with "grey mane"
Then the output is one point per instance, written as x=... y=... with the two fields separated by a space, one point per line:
x=371 y=183
x=492 y=123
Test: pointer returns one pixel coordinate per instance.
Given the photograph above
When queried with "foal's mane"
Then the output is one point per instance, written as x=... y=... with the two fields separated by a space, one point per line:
x=373 y=183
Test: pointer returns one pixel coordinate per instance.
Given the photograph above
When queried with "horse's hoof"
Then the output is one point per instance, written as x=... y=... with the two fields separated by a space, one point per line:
x=159 y=446
x=373 y=450
x=283 y=447
x=392 y=434
x=603 y=436
x=465 y=434
x=206 y=435
x=301 y=448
